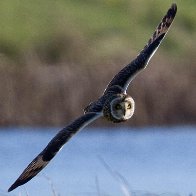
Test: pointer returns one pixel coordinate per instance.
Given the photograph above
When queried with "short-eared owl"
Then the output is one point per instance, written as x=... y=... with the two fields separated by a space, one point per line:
x=115 y=105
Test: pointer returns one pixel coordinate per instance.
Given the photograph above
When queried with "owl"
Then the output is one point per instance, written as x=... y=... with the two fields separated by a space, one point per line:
x=114 y=104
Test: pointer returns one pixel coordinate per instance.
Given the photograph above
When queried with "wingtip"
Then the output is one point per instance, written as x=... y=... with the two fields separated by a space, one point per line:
x=16 y=184
x=12 y=187
x=173 y=9
x=174 y=6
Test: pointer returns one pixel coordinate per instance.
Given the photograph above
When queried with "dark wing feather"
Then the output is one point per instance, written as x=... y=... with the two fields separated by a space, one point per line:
x=126 y=75
x=52 y=148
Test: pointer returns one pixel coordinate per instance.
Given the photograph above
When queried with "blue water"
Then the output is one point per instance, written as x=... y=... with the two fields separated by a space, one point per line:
x=103 y=162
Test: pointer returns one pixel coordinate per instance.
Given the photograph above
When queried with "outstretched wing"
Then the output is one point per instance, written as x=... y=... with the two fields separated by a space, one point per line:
x=126 y=75
x=53 y=147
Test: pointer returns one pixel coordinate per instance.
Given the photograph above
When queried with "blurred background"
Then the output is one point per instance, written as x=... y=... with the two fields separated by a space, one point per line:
x=57 y=56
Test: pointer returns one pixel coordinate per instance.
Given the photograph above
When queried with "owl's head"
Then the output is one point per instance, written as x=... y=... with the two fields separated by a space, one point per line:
x=119 y=109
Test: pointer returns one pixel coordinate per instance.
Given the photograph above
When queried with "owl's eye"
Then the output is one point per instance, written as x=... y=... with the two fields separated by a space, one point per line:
x=118 y=107
x=129 y=106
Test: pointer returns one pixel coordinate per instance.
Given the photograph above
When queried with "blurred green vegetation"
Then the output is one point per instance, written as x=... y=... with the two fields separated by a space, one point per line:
x=102 y=23
x=81 y=38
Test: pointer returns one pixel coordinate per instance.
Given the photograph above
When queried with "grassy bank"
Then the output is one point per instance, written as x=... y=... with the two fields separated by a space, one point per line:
x=57 y=56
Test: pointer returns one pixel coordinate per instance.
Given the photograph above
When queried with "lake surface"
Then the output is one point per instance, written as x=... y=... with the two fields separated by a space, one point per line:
x=103 y=162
